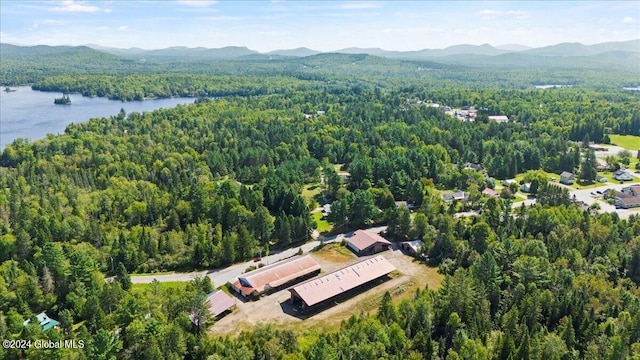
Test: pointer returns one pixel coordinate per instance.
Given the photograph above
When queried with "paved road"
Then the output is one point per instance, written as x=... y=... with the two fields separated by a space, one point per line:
x=585 y=195
x=220 y=277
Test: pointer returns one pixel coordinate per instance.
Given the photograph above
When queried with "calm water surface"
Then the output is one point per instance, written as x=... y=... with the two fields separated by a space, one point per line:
x=32 y=115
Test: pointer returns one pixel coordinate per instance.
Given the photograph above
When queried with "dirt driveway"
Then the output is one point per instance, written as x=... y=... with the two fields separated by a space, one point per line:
x=275 y=308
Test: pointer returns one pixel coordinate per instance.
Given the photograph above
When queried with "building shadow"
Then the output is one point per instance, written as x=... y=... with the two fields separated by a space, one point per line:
x=293 y=310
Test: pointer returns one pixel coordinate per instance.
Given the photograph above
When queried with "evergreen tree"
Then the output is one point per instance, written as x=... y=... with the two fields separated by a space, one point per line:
x=123 y=277
x=588 y=172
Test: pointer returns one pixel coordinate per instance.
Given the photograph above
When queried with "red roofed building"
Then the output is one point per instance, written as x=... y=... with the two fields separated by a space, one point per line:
x=367 y=243
x=219 y=303
x=319 y=290
x=490 y=192
x=262 y=280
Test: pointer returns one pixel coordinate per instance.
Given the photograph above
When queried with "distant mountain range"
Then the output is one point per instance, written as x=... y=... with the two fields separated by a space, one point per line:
x=563 y=50
x=622 y=55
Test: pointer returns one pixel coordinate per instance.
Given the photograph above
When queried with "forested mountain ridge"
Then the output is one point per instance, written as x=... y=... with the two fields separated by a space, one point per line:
x=611 y=64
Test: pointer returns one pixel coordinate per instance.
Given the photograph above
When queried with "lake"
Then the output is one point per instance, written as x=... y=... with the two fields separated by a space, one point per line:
x=30 y=114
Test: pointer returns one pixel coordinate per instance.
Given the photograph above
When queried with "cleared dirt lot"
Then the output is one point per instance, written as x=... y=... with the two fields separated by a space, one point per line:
x=275 y=308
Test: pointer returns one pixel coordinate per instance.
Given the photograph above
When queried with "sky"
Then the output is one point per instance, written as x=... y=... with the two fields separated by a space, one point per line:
x=320 y=25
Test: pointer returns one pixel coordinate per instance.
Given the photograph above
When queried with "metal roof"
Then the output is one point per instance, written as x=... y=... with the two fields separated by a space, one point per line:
x=329 y=285
x=363 y=239
x=414 y=244
x=280 y=273
x=219 y=302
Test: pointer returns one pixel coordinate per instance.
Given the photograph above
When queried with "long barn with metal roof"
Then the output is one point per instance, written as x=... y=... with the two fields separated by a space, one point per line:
x=318 y=290
x=259 y=281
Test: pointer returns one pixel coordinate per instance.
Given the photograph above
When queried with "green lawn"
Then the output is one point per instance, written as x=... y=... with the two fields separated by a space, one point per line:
x=596 y=184
x=323 y=225
x=549 y=175
x=154 y=274
x=141 y=288
x=609 y=176
x=310 y=191
x=629 y=142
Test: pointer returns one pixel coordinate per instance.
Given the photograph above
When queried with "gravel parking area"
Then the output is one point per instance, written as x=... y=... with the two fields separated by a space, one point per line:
x=274 y=308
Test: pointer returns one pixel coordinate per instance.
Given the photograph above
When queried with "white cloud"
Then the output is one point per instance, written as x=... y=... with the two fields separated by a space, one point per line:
x=518 y=14
x=197 y=3
x=490 y=14
x=52 y=22
x=107 y=28
x=76 y=6
x=412 y=30
x=359 y=6
x=224 y=18
x=629 y=20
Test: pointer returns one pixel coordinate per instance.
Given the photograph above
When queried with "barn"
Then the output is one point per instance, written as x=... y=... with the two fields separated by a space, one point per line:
x=367 y=243
x=270 y=277
x=324 y=288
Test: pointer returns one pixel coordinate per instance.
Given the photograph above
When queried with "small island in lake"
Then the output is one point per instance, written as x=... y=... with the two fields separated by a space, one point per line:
x=8 y=89
x=64 y=100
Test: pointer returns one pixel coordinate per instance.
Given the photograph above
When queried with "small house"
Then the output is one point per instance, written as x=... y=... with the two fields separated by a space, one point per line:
x=472 y=166
x=567 y=178
x=457 y=195
x=499 y=118
x=622 y=175
x=44 y=321
x=490 y=192
x=525 y=187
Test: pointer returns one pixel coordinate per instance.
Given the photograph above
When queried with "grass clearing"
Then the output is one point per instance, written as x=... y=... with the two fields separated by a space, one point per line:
x=609 y=176
x=323 y=225
x=154 y=274
x=310 y=191
x=596 y=184
x=629 y=142
x=549 y=176
x=175 y=285
x=335 y=253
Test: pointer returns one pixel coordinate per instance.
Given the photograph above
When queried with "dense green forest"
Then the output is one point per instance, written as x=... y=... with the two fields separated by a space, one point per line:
x=213 y=183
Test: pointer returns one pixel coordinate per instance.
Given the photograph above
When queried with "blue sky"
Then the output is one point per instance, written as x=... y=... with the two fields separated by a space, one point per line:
x=319 y=25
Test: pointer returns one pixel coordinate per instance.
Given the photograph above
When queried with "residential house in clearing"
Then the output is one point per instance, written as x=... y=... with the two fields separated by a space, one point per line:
x=367 y=243
x=472 y=166
x=44 y=321
x=622 y=175
x=628 y=197
x=567 y=178
x=490 y=192
x=456 y=195
x=499 y=118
